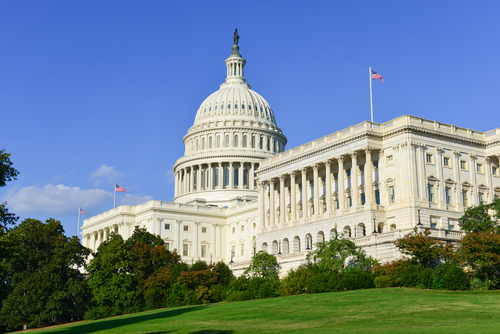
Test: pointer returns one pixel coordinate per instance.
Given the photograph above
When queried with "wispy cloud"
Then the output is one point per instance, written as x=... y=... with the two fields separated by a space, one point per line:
x=170 y=176
x=54 y=199
x=131 y=199
x=105 y=173
x=61 y=177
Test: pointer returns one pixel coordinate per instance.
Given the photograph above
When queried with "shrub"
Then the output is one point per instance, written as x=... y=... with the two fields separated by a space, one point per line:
x=450 y=276
x=417 y=276
x=318 y=282
x=203 y=294
x=199 y=265
x=477 y=284
x=295 y=282
x=218 y=292
x=357 y=278
x=238 y=296
x=382 y=282
x=261 y=287
x=394 y=270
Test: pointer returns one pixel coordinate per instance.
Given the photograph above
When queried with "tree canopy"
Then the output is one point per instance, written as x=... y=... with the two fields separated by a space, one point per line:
x=481 y=218
x=263 y=265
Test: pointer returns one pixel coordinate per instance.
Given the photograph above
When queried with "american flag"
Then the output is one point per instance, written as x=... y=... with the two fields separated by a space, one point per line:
x=82 y=211
x=375 y=75
x=119 y=189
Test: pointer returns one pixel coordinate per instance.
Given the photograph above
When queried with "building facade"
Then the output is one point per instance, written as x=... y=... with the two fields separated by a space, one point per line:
x=237 y=190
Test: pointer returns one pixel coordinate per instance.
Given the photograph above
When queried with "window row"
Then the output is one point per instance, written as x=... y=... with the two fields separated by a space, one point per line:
x=247 y=141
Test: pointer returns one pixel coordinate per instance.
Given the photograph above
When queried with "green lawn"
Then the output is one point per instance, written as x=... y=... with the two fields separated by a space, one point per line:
x=363 y=311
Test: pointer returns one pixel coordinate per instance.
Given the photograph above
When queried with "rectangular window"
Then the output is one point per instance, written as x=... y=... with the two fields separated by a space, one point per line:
x=390 y=160
x=363 y=199
x=481 y=198
x=167 y=226
x=429 y=158
x=185 y=250
x=336 y=204
x=335 y=176
x=377 y=196
x=430 y=190
x=167 y=246
x=479 y=168
x=349 y=201
x=348 y=172
x=392 y=196
x=496 y=196
x=465 y=198
x=203 y=230
x=446 y=162
x=393 y=227
x=242 y=249
x=203 y=250
x=242 y=228
x=375 y=164
x=361 y=169
x=463 y=165
x=234 y=230
x=494 y=170
x=447 y=191
x=185 y=228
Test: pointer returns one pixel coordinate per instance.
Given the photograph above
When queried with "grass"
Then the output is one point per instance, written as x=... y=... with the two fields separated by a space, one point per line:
x=394 y=310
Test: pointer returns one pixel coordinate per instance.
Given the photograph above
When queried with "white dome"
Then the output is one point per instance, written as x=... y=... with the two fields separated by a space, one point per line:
x=235 y=100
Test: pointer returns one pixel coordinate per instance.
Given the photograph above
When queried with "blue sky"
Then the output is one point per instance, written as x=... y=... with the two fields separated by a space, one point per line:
x=98 y=92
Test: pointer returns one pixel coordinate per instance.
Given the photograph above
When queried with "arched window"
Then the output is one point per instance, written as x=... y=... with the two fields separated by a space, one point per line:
x=253 y=141
x=236 y=141
x=245 y=177
x=202 y=143
x=285 y=246
x=197 y=145
x=210 y=142
x=261 y=143
x=218 y=142
x=296 y=244
x=244 y=140
x=269 y=144
x=226 y=177
x=195 y=178
x=208 y=178
x=264 y=246
x=202 y=179
x=236 y=177
x=217 y=176
x=274 y=247
x=226 y=142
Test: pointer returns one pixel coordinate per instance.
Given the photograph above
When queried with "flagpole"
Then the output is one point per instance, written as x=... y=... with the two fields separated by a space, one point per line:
x=78 y=227
x=114 y=197
x=371 y=95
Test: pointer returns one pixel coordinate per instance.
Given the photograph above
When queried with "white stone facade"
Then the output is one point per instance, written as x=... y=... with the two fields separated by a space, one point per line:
x=238 y=191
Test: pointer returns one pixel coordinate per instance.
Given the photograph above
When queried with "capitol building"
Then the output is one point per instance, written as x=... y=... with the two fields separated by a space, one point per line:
x=238 y=191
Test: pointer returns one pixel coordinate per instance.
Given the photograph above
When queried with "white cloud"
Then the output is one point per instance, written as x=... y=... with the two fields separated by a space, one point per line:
x=131 y=199
x=54 y=199
x=106 y=173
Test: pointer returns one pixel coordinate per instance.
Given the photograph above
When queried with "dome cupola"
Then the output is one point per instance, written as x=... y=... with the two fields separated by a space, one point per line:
x=234 y=129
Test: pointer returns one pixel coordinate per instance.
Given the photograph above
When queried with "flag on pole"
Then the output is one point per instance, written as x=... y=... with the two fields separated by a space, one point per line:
x=82 y=211
x=375 y=75
x=119 y=189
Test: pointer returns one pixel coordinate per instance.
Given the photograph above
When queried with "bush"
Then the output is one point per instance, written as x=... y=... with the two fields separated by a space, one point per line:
x=261 y=287
x=477 y=284
x=199 y=265
x=357 y=278
x=318 y=282
x=450 y=276
x=382 y=282
x=218 y=292
x=238 y=296
x=295 y=282
x=417 y=276
x=394 y=270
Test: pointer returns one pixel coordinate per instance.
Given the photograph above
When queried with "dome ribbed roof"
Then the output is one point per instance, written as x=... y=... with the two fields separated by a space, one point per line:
x=235 y=100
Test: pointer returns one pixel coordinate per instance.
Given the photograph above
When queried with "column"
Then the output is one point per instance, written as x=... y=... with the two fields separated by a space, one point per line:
x=488 y=172
x=282 y=199
x=412 y=170
x=421 y=172
x=328 y=180
x=262 y=204
x=354 y=179
x=231 y=175
x=341 y=193
x=106 y=234
x=472 y=173
x=196 y=226
x=440 y=185
x=251 y=181
x=240 y=176
x=398 y=184
x=198 y=179
x=304 y=193
x=293 y=200
x=316 y=189
x=177 y=183
x=381 y=175
x=368 y=176
x=272 y=208
x=192 y=178
x=456 y=174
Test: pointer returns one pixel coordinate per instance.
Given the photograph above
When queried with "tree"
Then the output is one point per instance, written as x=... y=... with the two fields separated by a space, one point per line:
x=43 y=278
x=338 y=253
x=424 y=249
x=7 y=173
x=481 y=218
x=263 y=265
x=481 y=251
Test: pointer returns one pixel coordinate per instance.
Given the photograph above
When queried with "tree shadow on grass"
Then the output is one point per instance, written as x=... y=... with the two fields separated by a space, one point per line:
x=116 y=323
x=212 y=332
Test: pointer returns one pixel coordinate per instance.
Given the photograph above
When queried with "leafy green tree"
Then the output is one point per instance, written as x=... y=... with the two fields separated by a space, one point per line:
x=263 y=265
x=339 y=253
x=424 y=249
x=481 y=252
x=44 y=281
x=7 y=173
x=481 y=218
